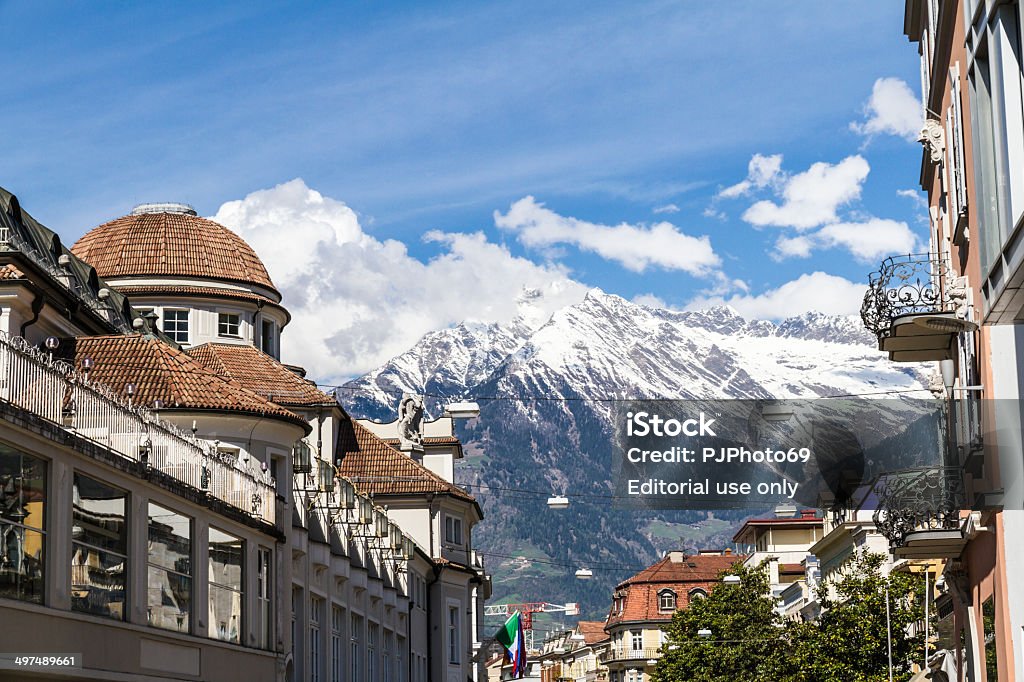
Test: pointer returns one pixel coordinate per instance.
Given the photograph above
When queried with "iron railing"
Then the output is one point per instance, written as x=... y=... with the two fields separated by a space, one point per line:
x=629 y=654
x=904 y=285
x=919 y=500
x=51 y=388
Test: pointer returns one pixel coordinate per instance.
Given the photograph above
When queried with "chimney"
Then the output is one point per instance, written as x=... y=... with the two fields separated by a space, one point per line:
x=727 y=552
x=809 y=513
x=676 y=556
x=785 y=511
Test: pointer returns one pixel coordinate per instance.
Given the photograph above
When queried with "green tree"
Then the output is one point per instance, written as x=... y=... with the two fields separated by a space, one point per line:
x=748 y=639
x=850 y=640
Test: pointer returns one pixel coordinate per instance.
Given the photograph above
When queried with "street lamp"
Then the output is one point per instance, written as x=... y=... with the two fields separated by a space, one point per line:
x=731 y=580
x=704 y=633
x=584 y=574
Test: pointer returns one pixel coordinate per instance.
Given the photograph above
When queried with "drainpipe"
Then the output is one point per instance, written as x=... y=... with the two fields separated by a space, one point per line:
x=37 y=308
x=408 y=620
x=258 y=329
x=436 y=571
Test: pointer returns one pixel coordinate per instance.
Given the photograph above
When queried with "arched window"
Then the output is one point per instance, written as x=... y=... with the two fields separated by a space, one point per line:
x=698 y=593
x=666 y=601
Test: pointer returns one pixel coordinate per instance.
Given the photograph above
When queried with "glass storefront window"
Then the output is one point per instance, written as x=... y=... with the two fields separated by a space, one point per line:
x=22 y=534
x=169 y=579
x=99 y=548
x=226 y=553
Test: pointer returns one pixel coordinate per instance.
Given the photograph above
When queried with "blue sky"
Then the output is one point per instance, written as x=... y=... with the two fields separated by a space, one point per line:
x=427 y=118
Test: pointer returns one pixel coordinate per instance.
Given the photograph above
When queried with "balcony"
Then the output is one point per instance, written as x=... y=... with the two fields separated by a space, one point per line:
x=919 y=513
x=617 y=654
x=51 y=389
x=916 y=306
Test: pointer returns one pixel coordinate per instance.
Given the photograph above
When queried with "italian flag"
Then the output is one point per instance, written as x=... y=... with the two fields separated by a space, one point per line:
x=510 y=636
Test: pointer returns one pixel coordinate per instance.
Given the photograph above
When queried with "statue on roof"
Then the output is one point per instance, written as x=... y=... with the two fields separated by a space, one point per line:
x=410 y=422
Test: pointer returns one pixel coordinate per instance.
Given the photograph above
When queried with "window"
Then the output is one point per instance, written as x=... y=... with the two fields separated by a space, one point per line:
x=698 y=593
x=636 y=638
x=228 y=324
x=355 y=632
x=385 y=667
x=169 y=591
x=998 y=148
x=226 y=593
x=453 y=530
x=316 y=606
x=99 y=548
x=22 y=536
x=264 y=599
x=399 y=668
x=454 y=644
x=666 y=601
x=268 y=337
x=371 y=652
x=176 y=325
x=337 y=648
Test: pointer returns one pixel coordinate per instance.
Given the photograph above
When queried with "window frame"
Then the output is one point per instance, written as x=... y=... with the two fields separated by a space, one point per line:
x=173 y=333
x=454 y=631
x=126 y=522
x=453 y=534
x=211 y=583
x=667 y=593
x=221 y=323
x=190 y=576
x=26 y=528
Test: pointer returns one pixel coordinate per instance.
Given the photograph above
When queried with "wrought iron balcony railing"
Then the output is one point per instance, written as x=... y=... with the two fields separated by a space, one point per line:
x=905 y=285
x=52 y=389
x=628 y=654
x=919 y=511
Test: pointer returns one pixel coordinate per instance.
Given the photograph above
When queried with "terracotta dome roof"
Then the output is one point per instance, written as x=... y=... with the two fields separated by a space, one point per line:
x=170 y=240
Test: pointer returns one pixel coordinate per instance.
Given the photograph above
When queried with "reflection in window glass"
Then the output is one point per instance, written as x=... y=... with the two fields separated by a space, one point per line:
x=169 y=584
x=99 y=548
x=226 y=552
x=264 y=597
x=988 y=617
x=22 y=510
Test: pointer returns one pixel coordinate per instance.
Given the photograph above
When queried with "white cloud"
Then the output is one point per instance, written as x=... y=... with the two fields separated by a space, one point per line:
x=812 y=198
x=816 y=291
x=357 y=301
x=634 y=247
x=761 y=172
x=867 y=240
x=651 y=301
x=892 y=109
x=667 y=208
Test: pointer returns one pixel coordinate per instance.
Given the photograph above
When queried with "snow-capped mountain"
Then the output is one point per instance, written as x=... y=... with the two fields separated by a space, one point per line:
x=607 y=347
x=601 y=349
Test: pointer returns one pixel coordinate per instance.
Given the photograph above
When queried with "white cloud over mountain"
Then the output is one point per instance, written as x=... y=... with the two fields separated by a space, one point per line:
x=892 y=109
x=635 y=247
x=816 y=291
x=357 y=301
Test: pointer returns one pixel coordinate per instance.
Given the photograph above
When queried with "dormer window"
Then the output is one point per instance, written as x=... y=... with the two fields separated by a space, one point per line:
x=698 y=593
x=228 y=324
x=666 y=601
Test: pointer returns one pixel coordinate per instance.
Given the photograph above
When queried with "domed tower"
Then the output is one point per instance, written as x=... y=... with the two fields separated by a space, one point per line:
x=203 y=282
